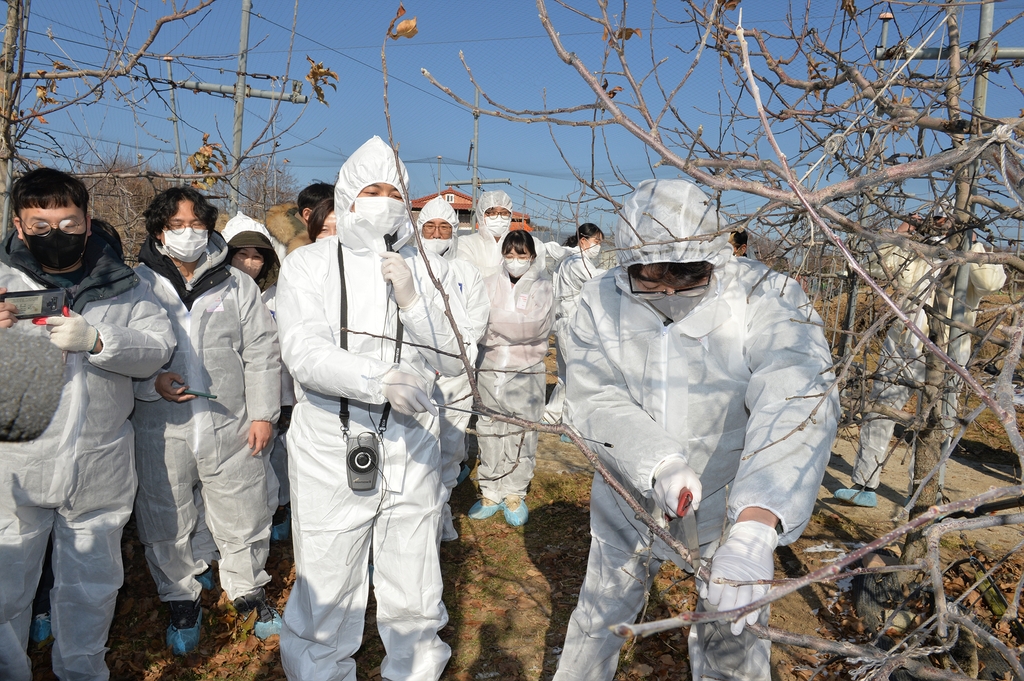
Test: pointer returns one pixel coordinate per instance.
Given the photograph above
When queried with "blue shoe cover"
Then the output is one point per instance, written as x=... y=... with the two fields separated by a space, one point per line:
x=480 y=511
x=281 y=528
x=518 y=517
x=463 y=474
x=40 y=629
x=184 y=641
x=565 y=438
x=281 y=532
x=206 y=579
x=264 y=630
x=858 y=497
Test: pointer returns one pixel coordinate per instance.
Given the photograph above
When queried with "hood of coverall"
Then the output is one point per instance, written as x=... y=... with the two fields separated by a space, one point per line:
x=670 y=221
x=537 y=267
x=487 y=200
x=242 y=231
x=439 y=208
x=369 y=164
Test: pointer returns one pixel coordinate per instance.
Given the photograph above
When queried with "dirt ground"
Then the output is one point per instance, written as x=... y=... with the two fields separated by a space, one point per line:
x=509 y=591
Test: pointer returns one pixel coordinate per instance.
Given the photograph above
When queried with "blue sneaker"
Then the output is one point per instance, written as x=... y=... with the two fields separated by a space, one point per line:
x=205 y=579
x=858 y=497
x=516 y=513
x=268 y=621
x=183 y=631
x=484 y=508
x=40 y=629
x=281 y=525
x=463 y=474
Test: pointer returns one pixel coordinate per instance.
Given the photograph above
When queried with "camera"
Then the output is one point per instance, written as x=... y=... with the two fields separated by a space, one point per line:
x=31 y=304
x=362 y=462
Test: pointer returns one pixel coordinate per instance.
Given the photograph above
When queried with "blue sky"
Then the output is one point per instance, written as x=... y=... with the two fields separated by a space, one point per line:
x=503 y=42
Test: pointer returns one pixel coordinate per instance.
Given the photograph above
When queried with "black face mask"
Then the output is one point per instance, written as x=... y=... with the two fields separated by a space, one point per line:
x=56 y=250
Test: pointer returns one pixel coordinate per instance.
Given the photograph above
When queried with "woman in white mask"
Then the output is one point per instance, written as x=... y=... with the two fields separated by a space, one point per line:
x=511 y=376
x=570 y=275
x=203 y=422
x=494 y=219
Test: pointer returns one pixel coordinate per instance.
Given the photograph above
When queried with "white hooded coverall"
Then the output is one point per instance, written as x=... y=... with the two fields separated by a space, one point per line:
x=481 y=248
x=511 y=377
x=901 y=360
x=570 y=276
x=228 y=347
x=726 y=386
x=77 y=480
x=467 y=284
x=334 y=527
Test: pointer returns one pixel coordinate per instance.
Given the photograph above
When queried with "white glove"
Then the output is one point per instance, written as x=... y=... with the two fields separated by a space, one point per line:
x=671 y=477
x=406 y=394
x=747 y=555
x=398 y=273
x=72 y=333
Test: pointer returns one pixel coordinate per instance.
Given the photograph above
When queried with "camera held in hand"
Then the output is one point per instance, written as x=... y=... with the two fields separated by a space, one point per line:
x=362 y=462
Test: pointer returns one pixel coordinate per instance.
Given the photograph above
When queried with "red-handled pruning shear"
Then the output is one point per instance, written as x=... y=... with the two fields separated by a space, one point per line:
x=684 y=528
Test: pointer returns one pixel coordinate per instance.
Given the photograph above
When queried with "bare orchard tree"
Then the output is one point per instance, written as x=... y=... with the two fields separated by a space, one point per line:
x=28 y=98
x=264 y=184
x=836 y=157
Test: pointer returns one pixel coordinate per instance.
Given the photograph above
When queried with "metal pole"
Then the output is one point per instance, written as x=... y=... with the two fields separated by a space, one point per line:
x=439 y=176
x=236 y=147
x=178 y=167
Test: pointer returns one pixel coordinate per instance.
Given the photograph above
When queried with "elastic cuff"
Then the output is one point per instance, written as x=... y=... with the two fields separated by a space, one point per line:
x=661 y=464
x=92 y=350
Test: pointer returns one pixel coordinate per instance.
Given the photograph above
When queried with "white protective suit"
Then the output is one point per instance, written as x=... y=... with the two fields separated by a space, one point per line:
x=724 y=386
x=570 y=276
x=279 y=453
x=334 y=527
x=454 y=391
x=77 y=480
x=227 y=346
x=511 y=377
x=481 y=249
x=901 y=358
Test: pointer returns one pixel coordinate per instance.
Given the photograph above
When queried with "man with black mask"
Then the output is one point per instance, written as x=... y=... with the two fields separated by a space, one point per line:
x=76 y=481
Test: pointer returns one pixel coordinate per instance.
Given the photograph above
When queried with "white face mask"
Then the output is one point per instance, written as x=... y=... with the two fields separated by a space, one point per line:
x=438 y=246
x=382 y=214
x=516 y=267
x=592 y=252
x=187 y=246
x=496 y=226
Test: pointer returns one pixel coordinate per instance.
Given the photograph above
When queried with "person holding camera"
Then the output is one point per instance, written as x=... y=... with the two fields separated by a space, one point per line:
x=203 y=422
x=76 y=482
x=364 y=333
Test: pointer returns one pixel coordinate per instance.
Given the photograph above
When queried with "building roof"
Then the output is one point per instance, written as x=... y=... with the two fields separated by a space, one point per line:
x=463 y=202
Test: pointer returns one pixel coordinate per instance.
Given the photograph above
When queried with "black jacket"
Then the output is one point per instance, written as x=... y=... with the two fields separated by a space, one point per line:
x=106 y=275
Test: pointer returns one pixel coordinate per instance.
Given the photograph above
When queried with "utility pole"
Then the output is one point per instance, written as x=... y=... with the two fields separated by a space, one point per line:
x=240 y=91
x=236 y=145
x=475 y=151
x=178 y=166
x=439 y=176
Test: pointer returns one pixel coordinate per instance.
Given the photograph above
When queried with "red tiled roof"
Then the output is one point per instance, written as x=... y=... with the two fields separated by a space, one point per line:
x=464 y=202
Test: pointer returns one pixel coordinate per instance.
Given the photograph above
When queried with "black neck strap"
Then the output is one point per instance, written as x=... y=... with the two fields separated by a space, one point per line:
x=343 y=412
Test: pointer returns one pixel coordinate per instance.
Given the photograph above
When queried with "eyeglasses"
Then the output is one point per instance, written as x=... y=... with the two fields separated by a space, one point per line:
x=497 y=212
x=429 y=230
x=68 y=226
x=178 y=228
x=688 y=292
